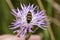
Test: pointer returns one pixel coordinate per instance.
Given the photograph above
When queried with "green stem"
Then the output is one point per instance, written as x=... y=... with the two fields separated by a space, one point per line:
x=30 y=34
x=40 y=4
x=10 y=4
x=49 y=28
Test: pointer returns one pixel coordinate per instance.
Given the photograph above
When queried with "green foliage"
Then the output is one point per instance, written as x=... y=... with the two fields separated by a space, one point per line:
x=5 y=17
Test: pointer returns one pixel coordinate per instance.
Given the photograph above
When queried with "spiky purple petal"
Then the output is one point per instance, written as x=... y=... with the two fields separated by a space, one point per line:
x=38 y=18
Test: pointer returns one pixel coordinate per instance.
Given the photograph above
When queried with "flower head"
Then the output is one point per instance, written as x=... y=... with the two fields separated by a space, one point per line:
x=21 y=23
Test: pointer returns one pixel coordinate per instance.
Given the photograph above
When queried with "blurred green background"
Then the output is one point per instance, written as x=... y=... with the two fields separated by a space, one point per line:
x=52 y=8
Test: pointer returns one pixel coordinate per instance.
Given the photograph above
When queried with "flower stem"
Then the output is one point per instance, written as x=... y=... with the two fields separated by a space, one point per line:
x=30 y=34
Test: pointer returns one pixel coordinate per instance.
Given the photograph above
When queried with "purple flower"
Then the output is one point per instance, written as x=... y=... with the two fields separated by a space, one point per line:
x=20 y=23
